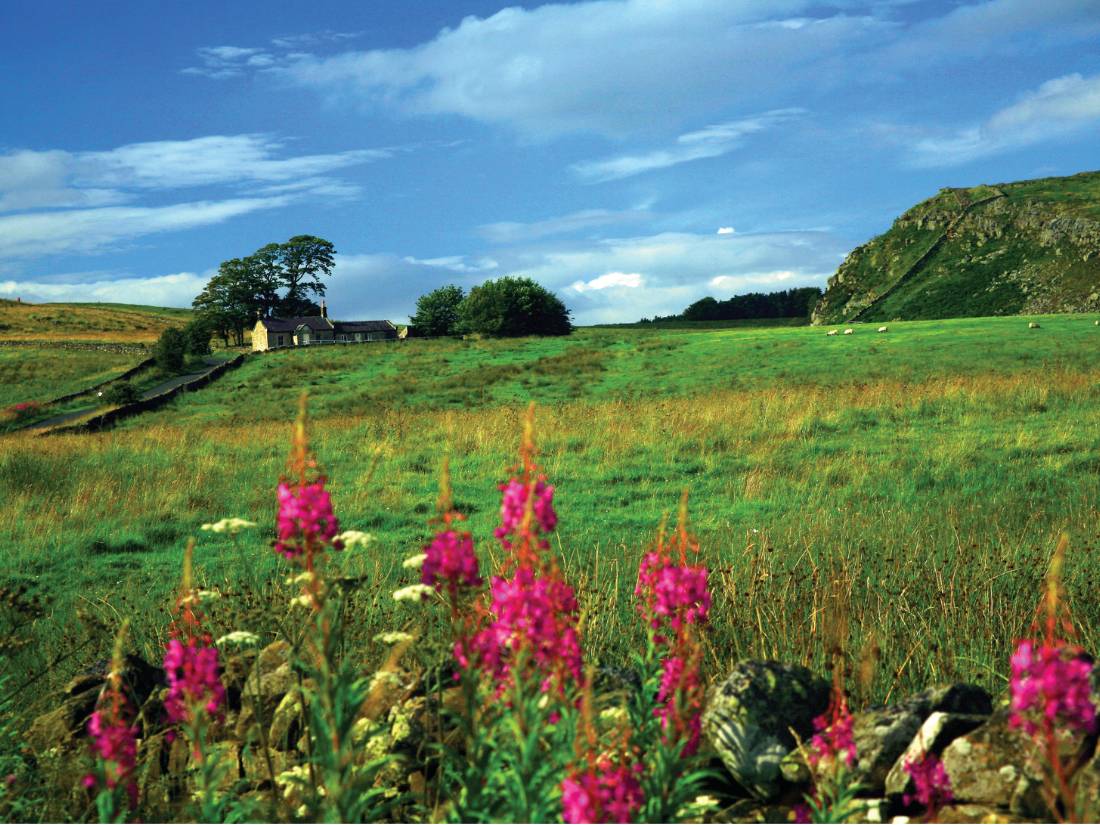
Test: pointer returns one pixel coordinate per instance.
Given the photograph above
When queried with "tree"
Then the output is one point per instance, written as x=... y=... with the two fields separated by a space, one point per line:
x=303 y=259
x=197 y=331
x=170 y=350
x=437 y=311
x=513 y=306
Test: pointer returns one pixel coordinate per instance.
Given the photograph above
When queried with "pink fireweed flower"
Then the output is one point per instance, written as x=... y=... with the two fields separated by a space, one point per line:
x=513 y=502
x=931 y=783
x=115 y=743
x=193 y=684
x=450 y=562
x=607 y=794
x=536 y=614
x=1051 y=682
x=680 y=702
x=676 y=593
x=305 y=518
x=833 y=736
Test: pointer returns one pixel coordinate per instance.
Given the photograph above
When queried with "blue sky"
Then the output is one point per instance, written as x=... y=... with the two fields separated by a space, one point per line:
x=632 y=155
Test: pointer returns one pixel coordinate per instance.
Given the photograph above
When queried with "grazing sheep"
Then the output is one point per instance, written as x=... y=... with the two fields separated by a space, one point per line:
x=1032 y=325
x=831 y=332
x=883 y=329
x=849 y=331
x=1096 y=323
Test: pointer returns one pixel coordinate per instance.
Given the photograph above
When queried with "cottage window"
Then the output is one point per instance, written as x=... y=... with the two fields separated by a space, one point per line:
x=358 y=336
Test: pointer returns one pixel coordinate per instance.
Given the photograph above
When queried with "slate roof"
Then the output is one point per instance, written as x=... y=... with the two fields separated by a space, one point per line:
x=316 y=322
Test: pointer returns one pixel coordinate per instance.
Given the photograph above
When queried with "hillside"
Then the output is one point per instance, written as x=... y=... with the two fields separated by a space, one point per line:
x=1011 y=248
x=115 y=323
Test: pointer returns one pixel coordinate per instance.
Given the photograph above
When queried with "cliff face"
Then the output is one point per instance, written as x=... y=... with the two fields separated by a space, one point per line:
x=1026 y=247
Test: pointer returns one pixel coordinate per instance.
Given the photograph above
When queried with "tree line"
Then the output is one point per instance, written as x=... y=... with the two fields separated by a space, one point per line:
x=787 y=303
x=277 y=279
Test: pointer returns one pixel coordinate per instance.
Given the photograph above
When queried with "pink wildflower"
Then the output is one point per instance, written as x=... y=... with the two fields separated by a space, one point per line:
x=801 y=813
x=1051 y=682
x=537 y=614
x=193 y=683
x=305 y=518
x=450 y=562
x=679 y=687
x=833 y=738
x=115 y=743
x=676 y=593
x=931 y=782
x=608 y=794
x=514 y=501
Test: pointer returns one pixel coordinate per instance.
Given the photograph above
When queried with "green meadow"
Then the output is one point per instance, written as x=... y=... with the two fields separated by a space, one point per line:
x=896 y=494
x=42 y=373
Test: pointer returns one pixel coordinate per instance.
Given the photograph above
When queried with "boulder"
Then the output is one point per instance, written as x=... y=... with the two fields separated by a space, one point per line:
x=997 y=764
x=749 y=717
x=937 y=732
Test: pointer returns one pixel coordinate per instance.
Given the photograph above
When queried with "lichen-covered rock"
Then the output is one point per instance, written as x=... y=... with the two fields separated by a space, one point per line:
x=997 y=764
x=749 y=718
x=937 y=732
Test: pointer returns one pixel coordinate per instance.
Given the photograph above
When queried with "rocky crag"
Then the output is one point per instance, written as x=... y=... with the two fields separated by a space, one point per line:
x=1012 y=248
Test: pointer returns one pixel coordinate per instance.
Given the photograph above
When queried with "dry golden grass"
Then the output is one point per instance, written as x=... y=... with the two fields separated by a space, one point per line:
x=115 y=323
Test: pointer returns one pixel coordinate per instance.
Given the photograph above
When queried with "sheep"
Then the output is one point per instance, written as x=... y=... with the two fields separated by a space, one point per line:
x=849 y=331
x=883 y=329
x=831 y=332
x=1096 y=323
x=1032 y=325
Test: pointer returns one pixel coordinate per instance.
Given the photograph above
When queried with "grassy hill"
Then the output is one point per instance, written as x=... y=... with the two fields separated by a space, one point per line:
x=926 y=474
x=1025 y=247
x=116 y=323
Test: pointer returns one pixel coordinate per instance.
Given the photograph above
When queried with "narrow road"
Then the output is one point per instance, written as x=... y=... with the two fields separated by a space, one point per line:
x=163 y=386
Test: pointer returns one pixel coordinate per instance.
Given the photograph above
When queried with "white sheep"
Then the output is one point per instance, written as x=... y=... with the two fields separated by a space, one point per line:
x=1032 y=325
x=849 y=331
x=831 y=332
x=883 y=329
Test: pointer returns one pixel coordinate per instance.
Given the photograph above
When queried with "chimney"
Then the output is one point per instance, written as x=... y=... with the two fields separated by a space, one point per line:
x=324 y=312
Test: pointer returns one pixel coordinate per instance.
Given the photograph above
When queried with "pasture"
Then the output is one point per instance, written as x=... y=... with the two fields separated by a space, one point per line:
x=897 y=493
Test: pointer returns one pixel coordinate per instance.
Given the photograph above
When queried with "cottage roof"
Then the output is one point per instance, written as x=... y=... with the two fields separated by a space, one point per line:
x=314 y=322
x=363 y=326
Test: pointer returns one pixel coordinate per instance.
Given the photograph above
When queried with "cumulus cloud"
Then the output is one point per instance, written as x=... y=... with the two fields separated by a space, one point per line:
x=162 y=290
x=705 y=143
x=599 y=66
x=725 y=230
x=631 y=280
x=1058 y=108
x=86 y=230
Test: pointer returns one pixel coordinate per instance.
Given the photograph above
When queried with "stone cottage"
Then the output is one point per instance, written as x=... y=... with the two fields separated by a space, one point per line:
x=309 y=330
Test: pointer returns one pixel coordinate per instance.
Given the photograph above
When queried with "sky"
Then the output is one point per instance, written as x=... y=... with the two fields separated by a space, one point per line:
x=631 y=155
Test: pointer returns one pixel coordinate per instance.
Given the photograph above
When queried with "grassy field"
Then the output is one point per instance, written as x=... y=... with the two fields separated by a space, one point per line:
x=898 y=492
x=33 y=373
x=118 y=323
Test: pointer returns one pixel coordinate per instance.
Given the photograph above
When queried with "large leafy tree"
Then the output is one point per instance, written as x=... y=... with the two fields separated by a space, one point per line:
x=513 y=306
x=303 y=260
x=437 y=311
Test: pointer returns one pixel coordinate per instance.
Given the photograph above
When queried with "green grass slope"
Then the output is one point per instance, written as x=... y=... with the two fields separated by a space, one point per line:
x=86 y=322
x=926 y=473
x=1025 y=247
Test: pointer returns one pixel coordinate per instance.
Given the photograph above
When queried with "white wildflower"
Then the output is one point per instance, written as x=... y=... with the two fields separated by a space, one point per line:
x=238 y=637
x=207 y=595
x=614 y=715
x=414 y=562
x=305 y=600
x=412 y=593
x=354 y=538
x=228 y=525
x=393 y=637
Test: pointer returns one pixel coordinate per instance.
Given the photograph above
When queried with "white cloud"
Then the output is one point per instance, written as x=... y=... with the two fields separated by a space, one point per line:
x=725 y=230
x=176 y=290
x=86 y=230
x=513 y=231
x=601 y=65
x=1058 y=108
x=456 y=263
x=706 y=143
x=631 y=280
x=745 y=280
x=56 y=178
